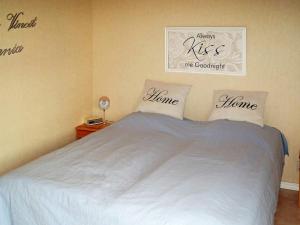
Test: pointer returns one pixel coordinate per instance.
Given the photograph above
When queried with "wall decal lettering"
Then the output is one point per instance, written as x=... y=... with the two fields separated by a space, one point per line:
x=16 y=24
x=160 y=96
x=10 y=51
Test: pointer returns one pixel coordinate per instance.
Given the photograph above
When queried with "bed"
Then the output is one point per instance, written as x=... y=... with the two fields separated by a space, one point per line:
x=150 y=169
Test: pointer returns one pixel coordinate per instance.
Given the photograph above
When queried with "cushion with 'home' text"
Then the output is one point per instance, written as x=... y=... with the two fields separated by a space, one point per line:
x=239 y=106
x=164 y=98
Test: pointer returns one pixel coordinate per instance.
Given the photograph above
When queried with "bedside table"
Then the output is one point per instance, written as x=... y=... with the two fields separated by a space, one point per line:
x=83 y=129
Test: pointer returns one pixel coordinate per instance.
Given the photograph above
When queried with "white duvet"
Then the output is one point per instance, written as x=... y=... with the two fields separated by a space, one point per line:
x=149 y=169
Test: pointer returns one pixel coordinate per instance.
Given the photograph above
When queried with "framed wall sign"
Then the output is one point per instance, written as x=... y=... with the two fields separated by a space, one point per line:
x=206 y=50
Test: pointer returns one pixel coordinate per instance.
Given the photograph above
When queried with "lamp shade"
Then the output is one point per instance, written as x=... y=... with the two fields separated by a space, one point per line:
x=104 y=103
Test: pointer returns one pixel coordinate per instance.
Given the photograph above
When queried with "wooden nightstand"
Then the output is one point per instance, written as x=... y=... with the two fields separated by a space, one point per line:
x=83 y=129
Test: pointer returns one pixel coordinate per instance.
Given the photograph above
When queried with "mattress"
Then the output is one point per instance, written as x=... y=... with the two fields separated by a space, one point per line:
x=150 y=169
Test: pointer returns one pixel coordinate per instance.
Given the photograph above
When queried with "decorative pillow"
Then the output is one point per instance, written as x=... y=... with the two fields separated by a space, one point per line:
x=239 y=105
x=164 y=98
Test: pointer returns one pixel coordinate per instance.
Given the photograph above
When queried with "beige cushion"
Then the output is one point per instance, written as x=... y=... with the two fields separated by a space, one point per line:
x=239 y=105
x=164 y=98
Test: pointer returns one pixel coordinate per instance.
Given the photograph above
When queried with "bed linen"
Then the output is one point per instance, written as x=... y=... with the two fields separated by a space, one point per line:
x=150 y=169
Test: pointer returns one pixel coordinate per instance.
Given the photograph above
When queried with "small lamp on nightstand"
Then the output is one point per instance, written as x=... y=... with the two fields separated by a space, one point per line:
x=104 y=104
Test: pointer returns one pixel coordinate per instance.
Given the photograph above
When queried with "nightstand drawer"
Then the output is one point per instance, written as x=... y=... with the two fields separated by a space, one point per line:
x=83 y=129
x=82 y=133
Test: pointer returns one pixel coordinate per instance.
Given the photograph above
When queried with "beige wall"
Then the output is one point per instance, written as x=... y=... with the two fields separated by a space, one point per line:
x=46 y=89
x=128 y=43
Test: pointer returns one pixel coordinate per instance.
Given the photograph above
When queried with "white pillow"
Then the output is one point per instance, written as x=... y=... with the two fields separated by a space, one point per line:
x=164 y=98
x=239 y=105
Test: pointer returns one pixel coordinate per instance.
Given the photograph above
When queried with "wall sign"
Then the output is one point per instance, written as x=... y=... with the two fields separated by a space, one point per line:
x=206 y=50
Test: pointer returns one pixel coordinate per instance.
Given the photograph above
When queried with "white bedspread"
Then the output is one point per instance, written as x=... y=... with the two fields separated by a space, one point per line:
x=149 y=169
